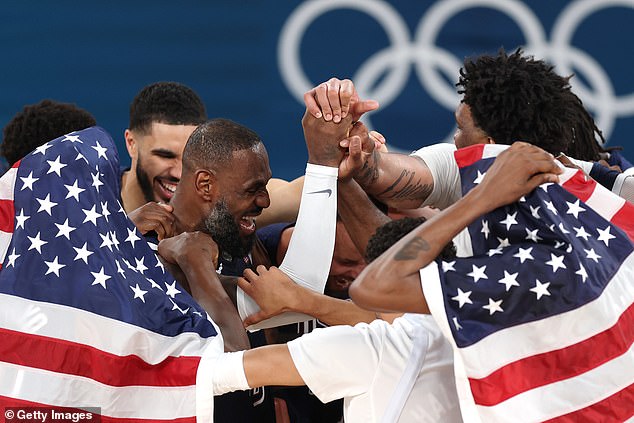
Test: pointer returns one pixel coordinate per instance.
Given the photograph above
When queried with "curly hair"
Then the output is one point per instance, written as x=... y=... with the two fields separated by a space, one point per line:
x=171 y=103
x=517 y=98
x=389 y=233
x=39 y=123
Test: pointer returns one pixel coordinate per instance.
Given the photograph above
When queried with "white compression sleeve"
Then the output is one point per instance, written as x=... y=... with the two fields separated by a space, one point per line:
x=229 y=373
x=309 y=253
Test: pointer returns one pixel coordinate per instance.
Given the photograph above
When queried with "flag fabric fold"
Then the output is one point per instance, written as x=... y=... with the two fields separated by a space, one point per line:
x=89 y=316
x=541 y=316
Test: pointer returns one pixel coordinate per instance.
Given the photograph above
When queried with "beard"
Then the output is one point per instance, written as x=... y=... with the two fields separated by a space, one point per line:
x=144 y=181
x=224 y=230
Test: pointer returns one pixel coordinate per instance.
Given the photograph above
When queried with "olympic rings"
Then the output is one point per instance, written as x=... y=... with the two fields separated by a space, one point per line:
x=429 y=59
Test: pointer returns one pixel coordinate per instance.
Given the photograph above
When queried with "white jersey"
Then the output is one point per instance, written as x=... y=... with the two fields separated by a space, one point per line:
x=401 y=372
x=440 y=160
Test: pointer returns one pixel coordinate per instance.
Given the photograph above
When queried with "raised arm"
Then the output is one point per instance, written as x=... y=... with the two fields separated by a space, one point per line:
x=392 y=282
x=190 y=257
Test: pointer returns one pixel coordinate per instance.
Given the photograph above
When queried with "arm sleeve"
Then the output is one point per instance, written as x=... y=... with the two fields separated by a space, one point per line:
x=310 y=250
x=440 y=160
x=229 y=373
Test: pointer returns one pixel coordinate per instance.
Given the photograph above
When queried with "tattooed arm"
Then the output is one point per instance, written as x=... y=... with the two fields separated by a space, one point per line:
x=392 y=281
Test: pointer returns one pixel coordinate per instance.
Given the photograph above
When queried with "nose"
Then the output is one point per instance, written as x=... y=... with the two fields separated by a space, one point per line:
x=176 y=169
x=262 y=199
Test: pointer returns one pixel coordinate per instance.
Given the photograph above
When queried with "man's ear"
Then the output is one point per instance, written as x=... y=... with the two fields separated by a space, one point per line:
x=490 y=140
x=206 y=185
x=130 y=143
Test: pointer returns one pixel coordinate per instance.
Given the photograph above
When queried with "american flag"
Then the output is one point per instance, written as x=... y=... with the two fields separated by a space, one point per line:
x=88 y=315
x=541 y=316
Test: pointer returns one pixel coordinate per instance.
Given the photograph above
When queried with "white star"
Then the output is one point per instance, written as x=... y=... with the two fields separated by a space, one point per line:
x=82 y=253
x=127 y=263
x=115 y=241
x=154 y=284
x=175 y=307
x=563 y=229
x=605 y=235
x=478 y=273
x=448 y=265
x=132 y=237
x=36 y=243
x=198 y=313
x=96 y=182
x=559 y=244
x=101 y=151
x=12 y=258
x=510 y=220
x=91 y=215
x=74 y=191
x=574 y=209
x=581 y=233
x=462 y=298
x=479 y=178
x=171 y=289
x=534 y=211
x=55 y=166
x=524 y=254
x=551 y=227
x=64 y=229
x=140 y=266
x=503 y=242
x=493 y=306
x=569 y=249
x=72 y=138
x=494 y=251
x=532 y=235
x=28 y=181
x=42 y=149
x=21 y=218
x=100 y=278
x=545 y=186
x=457 y=325
x=80 y=157
x=485 y=229
x=582 y=272
x=550 y=206
x=138 y=292
x=105 y=241
x=590 y=254
x=159 y=264
x=120 y=269
x=556 y=262
x=46 y=204
x=522 y=199
x=509 y=280
x=540 y=289
x=104 y=210
x=54 y=266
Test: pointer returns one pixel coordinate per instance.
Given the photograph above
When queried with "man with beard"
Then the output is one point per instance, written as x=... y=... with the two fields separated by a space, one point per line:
x=162 y=117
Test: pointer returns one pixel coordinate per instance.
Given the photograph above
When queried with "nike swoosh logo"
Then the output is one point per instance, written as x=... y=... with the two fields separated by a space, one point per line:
x=323 y=191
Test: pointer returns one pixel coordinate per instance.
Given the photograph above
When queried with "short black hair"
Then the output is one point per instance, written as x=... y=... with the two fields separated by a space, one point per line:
x=37 y=124
x=170 y=103
x=392 y=231
x=214 y=141
x=514 y=97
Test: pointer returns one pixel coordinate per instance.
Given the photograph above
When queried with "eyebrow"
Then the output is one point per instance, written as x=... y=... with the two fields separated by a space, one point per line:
x=164 y=152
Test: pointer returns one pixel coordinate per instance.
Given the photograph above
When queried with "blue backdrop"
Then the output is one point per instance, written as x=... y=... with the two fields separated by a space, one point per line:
x=251 y=60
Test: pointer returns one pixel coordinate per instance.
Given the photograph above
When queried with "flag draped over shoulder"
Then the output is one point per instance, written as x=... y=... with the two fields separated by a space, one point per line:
x=88 y=315
x=541 y=316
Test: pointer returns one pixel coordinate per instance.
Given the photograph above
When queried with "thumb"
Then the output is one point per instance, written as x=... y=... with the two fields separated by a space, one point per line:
x=254 y=318
x=358 y=109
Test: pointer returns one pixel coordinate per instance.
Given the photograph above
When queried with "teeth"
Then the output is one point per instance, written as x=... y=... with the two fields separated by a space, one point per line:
x=169 y=187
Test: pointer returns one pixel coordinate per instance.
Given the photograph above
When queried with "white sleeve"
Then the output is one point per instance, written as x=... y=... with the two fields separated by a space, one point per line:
x=309 y=255
x=229 y=373
x=338 y=361
x=440 y=160
x=624 y=185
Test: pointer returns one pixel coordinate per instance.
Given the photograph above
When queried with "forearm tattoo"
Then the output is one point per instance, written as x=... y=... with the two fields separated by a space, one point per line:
x=411 y=249
x=410 y=191
x=369 y=173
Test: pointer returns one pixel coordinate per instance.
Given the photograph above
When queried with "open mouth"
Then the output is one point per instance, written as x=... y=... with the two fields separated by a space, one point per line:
x=166 y=188
x=247 y=224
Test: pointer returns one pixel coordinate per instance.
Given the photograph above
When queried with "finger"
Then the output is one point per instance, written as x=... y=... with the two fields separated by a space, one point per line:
x=345 y=95
x=311 y=104
x=261 y=269
x=255 y=318
x=321 y=92
x=359 y=108
x=166 y=207
x=249 y=275
x=333 y=98
x=243 y=284
x=377 y=137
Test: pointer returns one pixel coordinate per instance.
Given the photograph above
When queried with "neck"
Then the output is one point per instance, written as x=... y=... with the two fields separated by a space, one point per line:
x=184 y=219
x=131 y=194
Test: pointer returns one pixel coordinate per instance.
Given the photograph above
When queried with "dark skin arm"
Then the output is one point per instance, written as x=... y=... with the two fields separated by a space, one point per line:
x=191 y=257
x=392 y=281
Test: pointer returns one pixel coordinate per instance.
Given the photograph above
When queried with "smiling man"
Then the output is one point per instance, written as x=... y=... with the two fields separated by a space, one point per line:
x=162 y=117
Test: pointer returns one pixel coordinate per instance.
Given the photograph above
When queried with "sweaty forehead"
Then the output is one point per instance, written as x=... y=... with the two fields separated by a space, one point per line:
x=252 y=163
